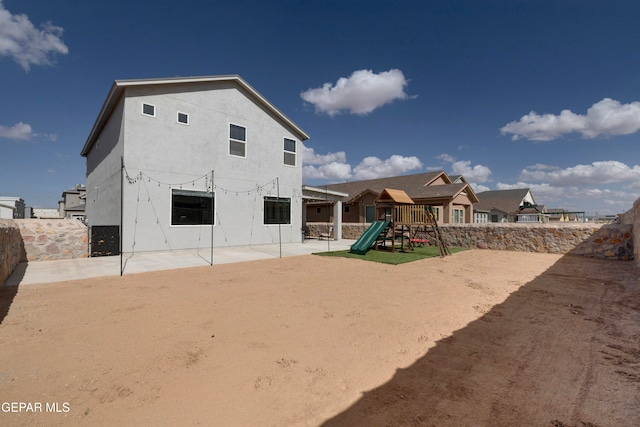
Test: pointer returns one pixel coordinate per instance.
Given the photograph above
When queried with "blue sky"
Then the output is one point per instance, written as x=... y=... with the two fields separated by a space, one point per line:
x=511 y=94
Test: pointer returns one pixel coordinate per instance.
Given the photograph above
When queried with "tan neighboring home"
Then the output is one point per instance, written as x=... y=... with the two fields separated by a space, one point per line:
x=451 y=202
x=73 y=203
x=516 y=205
x=563 y=215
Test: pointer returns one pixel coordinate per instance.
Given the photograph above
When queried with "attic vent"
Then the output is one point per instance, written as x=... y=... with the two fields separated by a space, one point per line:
x=149 y=110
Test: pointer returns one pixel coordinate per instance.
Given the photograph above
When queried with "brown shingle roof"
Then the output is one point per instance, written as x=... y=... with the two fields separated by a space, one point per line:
x=404 y=182
x=506 y=201
x=416 y=186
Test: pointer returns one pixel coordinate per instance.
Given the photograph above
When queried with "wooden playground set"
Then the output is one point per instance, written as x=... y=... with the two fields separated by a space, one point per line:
x=402 y=225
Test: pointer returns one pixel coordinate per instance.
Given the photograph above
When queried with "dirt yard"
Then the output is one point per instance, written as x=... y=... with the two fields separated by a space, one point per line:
x=482 y=338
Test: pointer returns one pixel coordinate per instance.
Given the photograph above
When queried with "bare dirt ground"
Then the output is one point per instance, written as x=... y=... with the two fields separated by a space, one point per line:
x=477 y=338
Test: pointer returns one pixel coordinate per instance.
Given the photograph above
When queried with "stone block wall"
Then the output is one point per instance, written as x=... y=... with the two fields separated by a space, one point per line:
x=11 y=248
x=52 y=239
x=613 y=241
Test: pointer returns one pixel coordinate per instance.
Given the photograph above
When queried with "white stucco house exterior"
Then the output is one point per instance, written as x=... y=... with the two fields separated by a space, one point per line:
x=166 y=158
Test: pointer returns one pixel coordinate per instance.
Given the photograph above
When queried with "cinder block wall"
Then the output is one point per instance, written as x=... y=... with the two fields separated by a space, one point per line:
x=11 y=248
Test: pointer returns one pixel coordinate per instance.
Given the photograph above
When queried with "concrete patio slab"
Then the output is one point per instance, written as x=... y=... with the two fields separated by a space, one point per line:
x=84 y=268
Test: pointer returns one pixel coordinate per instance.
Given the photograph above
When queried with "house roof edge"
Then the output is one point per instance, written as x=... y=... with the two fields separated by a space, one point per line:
x=118 y=87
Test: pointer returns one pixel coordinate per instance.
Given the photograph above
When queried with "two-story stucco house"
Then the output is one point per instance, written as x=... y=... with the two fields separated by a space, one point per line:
x=193 y=162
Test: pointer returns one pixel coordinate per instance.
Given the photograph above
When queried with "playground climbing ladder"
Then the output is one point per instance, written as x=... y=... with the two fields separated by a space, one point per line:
x=431 y=229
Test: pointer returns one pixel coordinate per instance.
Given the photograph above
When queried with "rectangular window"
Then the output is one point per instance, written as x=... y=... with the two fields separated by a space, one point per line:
x=289 y=152
x=346 y=209
x=318 y=210
x=370 y=213
x=237 y=140
x=190 y=207
x=183 y=118
x=149 y=110
x=277 y=210
x=458 y=216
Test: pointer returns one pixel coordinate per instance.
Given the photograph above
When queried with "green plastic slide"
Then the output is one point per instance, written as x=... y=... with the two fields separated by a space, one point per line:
x=362 y=245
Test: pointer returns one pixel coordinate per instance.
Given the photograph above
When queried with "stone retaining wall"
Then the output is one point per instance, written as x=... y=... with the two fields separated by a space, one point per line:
x=51 y=239
x=11 y=248
x=613 y=241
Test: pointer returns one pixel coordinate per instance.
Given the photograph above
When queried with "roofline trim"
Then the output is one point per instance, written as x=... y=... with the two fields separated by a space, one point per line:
x=118 y=86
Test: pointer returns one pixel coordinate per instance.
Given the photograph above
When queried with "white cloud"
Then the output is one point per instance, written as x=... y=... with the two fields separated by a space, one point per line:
x=333 y=171
x=27 y=45
x=334 y=167
x=372 y=167
x=309 y=157
x=575 y=197
x=604 y=172
x=605 y=118
x=477 y=173
x=478 y=188
x=21 y=131
x=446 y=158
x=360 y=93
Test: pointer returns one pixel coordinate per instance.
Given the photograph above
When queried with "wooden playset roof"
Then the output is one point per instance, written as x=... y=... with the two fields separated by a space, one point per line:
x=395 y=196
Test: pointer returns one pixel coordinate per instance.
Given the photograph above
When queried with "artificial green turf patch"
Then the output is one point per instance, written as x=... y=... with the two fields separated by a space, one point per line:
x=388 y=257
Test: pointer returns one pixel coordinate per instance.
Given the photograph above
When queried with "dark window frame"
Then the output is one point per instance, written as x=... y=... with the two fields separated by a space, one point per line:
x=277 y=210
x=192 y=207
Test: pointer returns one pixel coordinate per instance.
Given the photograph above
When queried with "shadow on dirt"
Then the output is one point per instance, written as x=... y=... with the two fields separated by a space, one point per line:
x=9 y=291
x=562 y=350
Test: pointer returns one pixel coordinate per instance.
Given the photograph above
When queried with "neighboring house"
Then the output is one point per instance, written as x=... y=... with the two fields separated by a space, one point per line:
x=506 y=205
x=73 y=203
x=46 y=213
x=12 y=207
x=193 y=162
x=6 y=211
x=452 y=203
x=562 y=215
x=480 y=216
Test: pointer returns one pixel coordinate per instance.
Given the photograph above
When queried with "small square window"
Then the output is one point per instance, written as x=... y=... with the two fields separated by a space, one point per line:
x=318 y=210
x=183 y=118
x=346 y=209
x=149 y=110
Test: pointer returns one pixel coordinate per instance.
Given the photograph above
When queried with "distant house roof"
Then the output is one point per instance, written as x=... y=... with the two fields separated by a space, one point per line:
x=457 y=179
x=395 y=196
x=77 y=208
x=507 y=201
x=417 y=186
x=118 y=87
